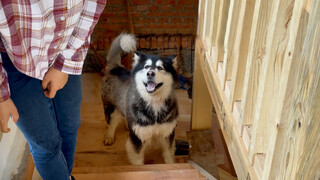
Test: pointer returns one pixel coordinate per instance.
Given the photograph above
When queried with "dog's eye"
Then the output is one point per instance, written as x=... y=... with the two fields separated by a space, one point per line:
x=160 y=68
x=147 y=67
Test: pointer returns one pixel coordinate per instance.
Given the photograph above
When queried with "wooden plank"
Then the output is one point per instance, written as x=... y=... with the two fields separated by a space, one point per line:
x=200 y=27
x=231 y=135
x=138 y=175
x=208 y=27
x=258 y=164
x=241 y=49
x=257 y=47
x=210 y=38
x=309 y=6
x=225 y=175
x=236 y=111
x=246 y=136
x=201 y=105
x=229 y=41
x=215 y=21
x=270 y=74
x=295 y=153
x=221 y=29
x=131 y=168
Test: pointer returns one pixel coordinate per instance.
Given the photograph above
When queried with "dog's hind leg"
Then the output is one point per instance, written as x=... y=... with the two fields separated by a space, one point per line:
x=168 y=148
x=114 y=119
x=135 y=150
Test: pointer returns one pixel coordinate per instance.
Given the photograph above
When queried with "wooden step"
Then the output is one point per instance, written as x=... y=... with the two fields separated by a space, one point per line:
x=129 y=168
x=188 y=174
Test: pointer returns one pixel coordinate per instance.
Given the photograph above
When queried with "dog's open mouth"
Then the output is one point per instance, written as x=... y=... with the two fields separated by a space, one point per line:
x=152 y=86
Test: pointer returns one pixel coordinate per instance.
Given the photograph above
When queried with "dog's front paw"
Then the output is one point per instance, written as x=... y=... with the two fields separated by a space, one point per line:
x=108 y=141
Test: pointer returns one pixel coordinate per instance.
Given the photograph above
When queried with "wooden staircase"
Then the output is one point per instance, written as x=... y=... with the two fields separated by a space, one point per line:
x=180 y=171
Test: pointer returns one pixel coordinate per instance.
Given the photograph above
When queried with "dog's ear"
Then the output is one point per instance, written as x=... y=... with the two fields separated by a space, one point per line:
x=174 y=60
x=136 y=58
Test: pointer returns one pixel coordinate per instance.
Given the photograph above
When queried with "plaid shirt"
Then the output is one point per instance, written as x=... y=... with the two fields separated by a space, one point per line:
x=39 y=34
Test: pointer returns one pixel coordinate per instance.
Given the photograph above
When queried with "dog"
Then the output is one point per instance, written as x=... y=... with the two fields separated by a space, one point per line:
x=144 y=97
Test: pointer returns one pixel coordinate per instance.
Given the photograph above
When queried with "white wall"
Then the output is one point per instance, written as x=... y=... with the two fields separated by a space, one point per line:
x=12 y=148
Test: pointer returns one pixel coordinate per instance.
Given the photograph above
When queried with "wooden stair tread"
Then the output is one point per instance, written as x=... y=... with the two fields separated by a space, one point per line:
x=146 y=175
x=131 y=168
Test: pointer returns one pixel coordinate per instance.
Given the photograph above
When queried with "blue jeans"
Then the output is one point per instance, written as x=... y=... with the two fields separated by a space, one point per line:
x=49 y=125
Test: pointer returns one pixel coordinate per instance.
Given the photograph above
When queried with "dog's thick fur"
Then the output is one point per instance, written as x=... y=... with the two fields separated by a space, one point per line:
x=144 y=97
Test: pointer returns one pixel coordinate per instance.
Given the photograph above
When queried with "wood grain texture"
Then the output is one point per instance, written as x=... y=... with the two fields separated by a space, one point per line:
x=257 y=46
x=147 y=175
x=269 y=76
x=230 y=133
x=222 y=24
x=296 y=144
x=277 y=133
x=201 y=105
x=241 y=49
x=229 y=40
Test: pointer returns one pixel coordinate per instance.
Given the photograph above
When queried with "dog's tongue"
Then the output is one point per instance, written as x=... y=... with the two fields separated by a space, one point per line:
x=151 y=86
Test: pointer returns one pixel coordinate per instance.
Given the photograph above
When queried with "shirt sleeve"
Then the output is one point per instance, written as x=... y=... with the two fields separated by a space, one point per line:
x=4 y=85
x=70 y=60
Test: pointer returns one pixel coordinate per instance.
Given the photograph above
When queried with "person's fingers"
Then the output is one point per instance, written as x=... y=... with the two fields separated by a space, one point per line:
x=51 y=91
x=15 y=115
x=4 y=127
x=44 y=84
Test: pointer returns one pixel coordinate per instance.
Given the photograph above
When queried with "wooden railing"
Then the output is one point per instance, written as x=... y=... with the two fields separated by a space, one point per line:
x=260 y=62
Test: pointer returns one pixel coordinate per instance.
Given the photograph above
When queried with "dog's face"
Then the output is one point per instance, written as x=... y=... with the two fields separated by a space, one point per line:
x=154 y=75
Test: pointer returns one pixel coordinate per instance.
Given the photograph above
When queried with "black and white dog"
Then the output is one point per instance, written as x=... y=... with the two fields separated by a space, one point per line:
x=144 y=97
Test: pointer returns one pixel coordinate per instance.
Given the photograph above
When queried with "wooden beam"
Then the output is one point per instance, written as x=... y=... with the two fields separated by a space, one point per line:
x=201 y=104
x=295 y=151
x=229 y=41
x=241 y=49
x=221 y=29
x=270 y=75
x=257 y=45
x=309 y=6
x=201 y=15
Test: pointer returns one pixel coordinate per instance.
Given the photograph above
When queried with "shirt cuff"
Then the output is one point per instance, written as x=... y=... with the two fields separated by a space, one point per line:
x=68 y=66
x=4 y=91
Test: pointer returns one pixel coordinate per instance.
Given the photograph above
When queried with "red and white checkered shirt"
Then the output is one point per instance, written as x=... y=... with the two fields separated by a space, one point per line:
x=39 y=34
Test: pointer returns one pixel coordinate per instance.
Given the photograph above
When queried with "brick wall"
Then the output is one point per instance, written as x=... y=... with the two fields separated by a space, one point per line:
x=161 y=26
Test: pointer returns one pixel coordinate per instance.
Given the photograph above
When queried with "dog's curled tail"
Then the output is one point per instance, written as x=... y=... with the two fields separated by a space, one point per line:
x=124 y=42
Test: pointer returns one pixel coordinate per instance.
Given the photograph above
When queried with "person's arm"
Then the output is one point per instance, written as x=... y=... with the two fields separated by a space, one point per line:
x=69 y=60
x=7 y=107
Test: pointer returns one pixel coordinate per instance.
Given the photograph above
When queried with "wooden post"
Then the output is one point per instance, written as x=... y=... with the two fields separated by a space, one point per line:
x=201 y=102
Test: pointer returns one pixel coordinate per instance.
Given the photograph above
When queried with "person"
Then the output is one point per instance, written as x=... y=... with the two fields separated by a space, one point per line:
x=43 y=45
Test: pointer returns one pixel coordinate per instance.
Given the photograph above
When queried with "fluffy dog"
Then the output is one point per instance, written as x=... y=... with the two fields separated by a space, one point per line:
x=144 y=97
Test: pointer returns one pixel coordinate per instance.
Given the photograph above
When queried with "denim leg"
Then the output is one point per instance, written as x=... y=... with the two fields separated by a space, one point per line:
x=38 y=124
x=67 y=104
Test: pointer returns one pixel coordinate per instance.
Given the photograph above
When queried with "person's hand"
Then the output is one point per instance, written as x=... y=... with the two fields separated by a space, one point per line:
x=53 y=81
x=7 y=108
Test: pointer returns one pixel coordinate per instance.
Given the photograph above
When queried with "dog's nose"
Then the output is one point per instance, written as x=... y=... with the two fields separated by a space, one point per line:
x=151 y=74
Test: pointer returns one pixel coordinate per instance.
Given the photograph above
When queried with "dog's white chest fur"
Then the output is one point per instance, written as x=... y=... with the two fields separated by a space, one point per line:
x=146 y=132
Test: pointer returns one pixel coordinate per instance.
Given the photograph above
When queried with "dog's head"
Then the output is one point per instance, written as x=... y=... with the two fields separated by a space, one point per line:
x=154 y=75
